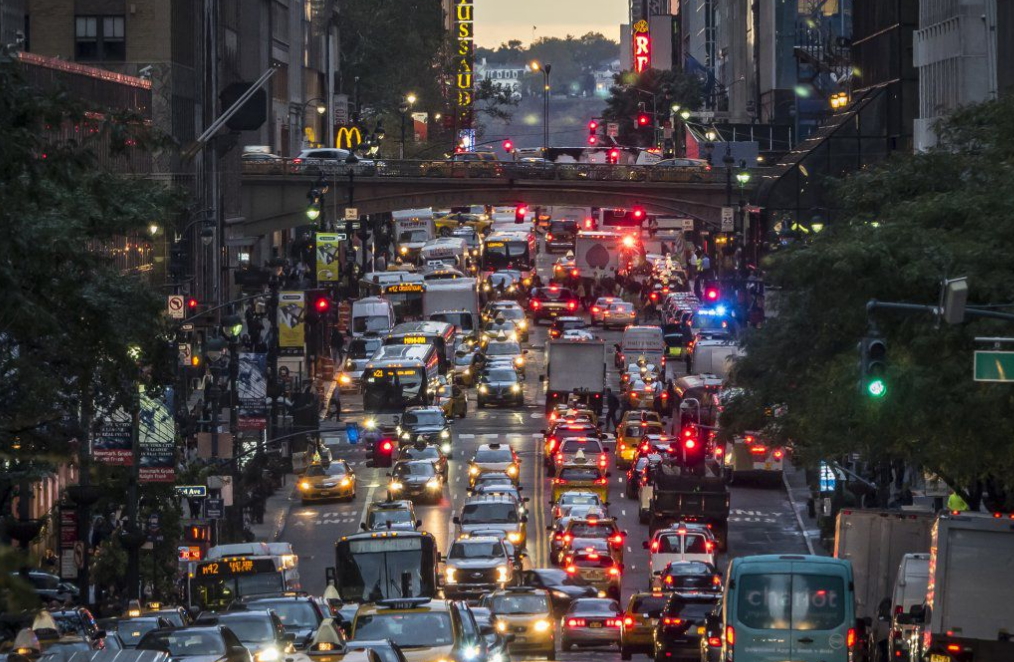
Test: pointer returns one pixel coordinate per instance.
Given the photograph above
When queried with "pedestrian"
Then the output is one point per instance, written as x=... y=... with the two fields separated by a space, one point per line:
x=656 y=397
x=334 y=405
x=381 y=263
x=612 y=405
x=337 y=345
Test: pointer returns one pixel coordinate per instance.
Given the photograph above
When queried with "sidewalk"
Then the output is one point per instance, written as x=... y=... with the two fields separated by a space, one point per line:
x=276 y=510
x=799 y=493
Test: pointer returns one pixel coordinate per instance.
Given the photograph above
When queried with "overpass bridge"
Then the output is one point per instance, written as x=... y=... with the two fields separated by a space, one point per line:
x=275 y=192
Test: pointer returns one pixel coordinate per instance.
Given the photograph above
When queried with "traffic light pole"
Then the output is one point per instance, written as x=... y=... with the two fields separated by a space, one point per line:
x=873 y=305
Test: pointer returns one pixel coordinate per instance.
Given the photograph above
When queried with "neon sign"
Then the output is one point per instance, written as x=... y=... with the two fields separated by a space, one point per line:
x=464 y=59
x=348 y=137
x=642 y=46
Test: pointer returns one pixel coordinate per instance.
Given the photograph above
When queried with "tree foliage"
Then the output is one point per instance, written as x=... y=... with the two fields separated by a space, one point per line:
x=909 y=223
x=651 y=91
x=573 y=60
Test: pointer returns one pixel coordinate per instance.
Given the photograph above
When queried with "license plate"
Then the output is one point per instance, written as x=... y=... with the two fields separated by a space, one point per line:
x=700 y=629
x=594 y=624
x=767 y=465
x=939 y=658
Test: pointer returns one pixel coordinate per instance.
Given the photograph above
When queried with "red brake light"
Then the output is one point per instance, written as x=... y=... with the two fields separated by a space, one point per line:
x=628 y=620
x=572 y=305
x=716 y=580
x=719 y=452
x=297 y=161
x=709 y=546
x=850 y=639
x=730 y=635
x=951 y=648
x=617 y=539
x=689 y=444
x=535 y=304
x=576 y=623
x=571 y=570
x=758 y=450
x=654 y=545
x=778 y=454
x=596 y=309
x=714 y=642
x=668 y=579
x=549 y=236
x=614 y=571
x=671 y=621
x=574 y=273
x=644 y=448
x=567 y=537
x=600 y=481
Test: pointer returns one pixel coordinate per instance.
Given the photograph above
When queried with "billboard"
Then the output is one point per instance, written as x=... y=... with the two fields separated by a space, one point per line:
x=327 y=257
x=252 y=388
x=641 y=44
x=291 y=323
x=156 y=442
x=464 y=61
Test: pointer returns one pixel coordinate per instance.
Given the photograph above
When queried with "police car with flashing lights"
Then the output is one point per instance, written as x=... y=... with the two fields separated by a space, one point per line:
x=427 y=630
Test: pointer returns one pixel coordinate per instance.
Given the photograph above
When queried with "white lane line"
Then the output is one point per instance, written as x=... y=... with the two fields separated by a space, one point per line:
x=466 y=436
x=369 y=499
x=623 y=512
x=536 y=414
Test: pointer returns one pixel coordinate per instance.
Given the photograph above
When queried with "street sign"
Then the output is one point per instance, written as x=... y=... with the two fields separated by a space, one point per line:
x=728 y=222
x=688 y=224
x=175 y=306
x=351 y=214
x=339 y=236
x=193 y=491
x=214 y=509
x=992 y=366
x=613 y=129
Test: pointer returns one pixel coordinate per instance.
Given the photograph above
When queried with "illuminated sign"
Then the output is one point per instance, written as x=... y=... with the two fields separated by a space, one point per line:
x=348 y=137
x=385 y=545
x=494 y=244
x=642 y=46
x=189 y=553
x=401 y=372
x=414 y=340
x=464 y=60
x=235 y=566
x=405 y=287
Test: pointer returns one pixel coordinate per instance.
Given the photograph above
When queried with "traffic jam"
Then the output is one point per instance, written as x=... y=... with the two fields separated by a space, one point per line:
x=598 y=334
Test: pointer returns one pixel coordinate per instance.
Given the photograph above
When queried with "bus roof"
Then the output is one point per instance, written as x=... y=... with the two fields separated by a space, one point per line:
x=402 y=355
x=250 y=549
x=424 y=328
x=371 y=535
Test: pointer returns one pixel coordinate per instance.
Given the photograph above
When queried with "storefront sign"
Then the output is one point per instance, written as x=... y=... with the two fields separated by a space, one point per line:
x=464 y=60
x=642 y=46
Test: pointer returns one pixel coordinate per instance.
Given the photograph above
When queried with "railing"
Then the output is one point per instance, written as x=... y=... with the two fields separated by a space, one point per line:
x=488 y=170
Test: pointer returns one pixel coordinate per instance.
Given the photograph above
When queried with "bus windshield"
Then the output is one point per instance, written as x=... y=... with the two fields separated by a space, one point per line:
x=218 y=592
x=374 y=569
x=507 y=255
x=391 y=390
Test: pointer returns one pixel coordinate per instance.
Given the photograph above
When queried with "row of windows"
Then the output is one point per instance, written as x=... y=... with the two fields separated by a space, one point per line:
x=100 y=38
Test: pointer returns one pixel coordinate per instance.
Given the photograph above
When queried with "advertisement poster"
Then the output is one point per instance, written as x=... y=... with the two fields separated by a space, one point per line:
x=112 y=440
x=291 y=327
x=327 y=257
x=253 y=391
x=156 y=439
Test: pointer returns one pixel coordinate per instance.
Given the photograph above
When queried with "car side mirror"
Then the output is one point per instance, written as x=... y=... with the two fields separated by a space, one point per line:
x=418 y=524
x=362 y=525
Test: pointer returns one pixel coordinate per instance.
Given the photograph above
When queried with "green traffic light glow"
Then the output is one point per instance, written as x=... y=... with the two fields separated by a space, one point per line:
x=877 y=388
x=312 y=212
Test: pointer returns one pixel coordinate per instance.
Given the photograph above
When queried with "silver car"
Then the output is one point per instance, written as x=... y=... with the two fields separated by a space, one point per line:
x=591 y=622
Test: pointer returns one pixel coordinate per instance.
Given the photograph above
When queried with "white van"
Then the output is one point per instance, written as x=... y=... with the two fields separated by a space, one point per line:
x=372 y=314
x=715 y=357
x=450 y=251
x=646 y=341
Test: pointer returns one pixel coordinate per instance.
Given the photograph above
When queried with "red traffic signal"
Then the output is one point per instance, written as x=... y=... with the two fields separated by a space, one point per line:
x=593 y=140
x=643 y=119
x=637 y=213
x=508 y=146
x=322 y=304
x=192 y=303
x=519 y=213
x=613 y=157
x=593 y=125
x=711 y=293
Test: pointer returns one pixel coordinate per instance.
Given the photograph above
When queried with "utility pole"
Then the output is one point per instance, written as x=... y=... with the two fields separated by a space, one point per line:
x=133 y=550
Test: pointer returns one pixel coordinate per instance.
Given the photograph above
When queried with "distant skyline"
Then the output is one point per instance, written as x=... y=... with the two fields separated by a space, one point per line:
x=497 y=21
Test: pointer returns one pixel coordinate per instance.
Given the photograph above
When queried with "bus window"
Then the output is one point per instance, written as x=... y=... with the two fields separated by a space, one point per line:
x=791 y=601
x=507 y=254
x=393 y=390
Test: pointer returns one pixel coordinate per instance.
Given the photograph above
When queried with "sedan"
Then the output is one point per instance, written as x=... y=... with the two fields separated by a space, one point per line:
x=417 y=480
x=334 y=481
x=619 y=314
x=563 y=589
x=500 y=386
x=598 y=308
x=591 y=622
x=422 y=451
x=132 y=629
x=682 y=625
x=566 y=323
x=690 y=577
x=197 y=644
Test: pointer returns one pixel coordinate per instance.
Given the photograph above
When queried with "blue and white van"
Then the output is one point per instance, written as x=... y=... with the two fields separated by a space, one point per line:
x=789 y=607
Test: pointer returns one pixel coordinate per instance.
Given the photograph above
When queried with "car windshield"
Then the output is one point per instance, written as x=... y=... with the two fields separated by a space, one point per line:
x=249 y=628
x=562 y=226
x=554 y=577
x=579 y=474
x=520 y=604
x=496 y=513
x=494 y=455
x=503 y=349
x=381 y=517
x=621 y=308
x=423 y=418
x=476 y=549
x=586 y=445
x=428 y=453
x=498 y=277
x=185 y=643
x=413 y=236
x=693 y=543
x=594 y=606
x=589 y=530
x=593 y=561
x=500 y=375
x=552 y=294
x=463 y=359
x=648 y=604
x=407 y=629
x=131 y=631
x=363 y=348
x=689 y=609
x=293 y=613
x=580 y=499
x=424 y=469
x=334 y=469
x=511 y=313
x=371 y=323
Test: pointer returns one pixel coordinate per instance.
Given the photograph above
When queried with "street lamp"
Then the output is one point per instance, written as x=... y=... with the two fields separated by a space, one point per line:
x=321 y=109
x=743 y=177
x=545 y=69
x=404 y=108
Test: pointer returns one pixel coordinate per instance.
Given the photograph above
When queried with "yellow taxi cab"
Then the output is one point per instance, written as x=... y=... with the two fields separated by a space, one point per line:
x=637 y=630
x=527 y=613
x=446 y=225
x=451 y=398
x=494 y=457
x=629 y=436
x=581 y=473
x=334 y=481
x=426 y=630
x=329 y=644
x=600 y=570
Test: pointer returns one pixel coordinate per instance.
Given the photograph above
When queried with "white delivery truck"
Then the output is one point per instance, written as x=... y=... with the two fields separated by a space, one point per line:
x=578 y=367
x=969 y=613
x=455 y=301
x=446 y=251
x=714 y=356
x=597 y=253
x=875 y=541
x=412 y=229
x=372 y=314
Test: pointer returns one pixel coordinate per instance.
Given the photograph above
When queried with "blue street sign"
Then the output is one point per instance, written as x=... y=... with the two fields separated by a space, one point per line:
x=352 y=432
x=214 y=508
x=193 y=491
x=153 y=522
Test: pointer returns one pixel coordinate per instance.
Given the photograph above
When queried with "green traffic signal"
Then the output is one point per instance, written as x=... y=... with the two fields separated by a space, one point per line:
x=877 y=388
x=313 y=211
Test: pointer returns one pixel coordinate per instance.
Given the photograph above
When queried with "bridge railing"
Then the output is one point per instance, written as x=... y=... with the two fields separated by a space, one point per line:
x=490 y=170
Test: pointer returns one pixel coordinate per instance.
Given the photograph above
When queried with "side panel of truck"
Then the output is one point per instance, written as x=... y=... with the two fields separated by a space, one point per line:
x=457 y=294
x=596 y=254
x=576 y=365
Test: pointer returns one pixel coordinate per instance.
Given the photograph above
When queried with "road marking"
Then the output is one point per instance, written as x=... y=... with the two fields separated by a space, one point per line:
x=369 y=499
x=623 y=512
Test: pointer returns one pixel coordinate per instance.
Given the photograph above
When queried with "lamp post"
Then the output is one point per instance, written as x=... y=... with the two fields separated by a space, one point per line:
x=232 y=327
x=743 y=177
x=321 y=109
x=545 y=69
x=404 y=108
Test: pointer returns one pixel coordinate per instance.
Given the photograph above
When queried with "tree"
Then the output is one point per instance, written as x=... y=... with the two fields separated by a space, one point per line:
x=493 y=101
x=906 y=225
x=70 y=321
x=652 y=92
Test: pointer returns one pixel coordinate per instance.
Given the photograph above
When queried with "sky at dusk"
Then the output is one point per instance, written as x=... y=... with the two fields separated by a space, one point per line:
x=496 y=21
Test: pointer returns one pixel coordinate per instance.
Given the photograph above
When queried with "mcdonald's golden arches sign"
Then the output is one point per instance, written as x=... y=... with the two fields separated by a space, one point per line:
x=348 y=137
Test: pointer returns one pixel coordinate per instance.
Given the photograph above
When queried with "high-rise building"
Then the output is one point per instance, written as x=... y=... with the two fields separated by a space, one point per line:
x=12 y=22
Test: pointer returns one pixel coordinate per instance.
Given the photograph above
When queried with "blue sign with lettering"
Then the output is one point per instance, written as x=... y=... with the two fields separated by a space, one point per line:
x=193 y=491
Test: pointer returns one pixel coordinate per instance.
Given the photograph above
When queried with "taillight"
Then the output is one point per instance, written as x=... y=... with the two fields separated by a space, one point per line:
x=575 y=622
x=716 y=581
x=567 y=537
x=952 y=648
x=560 y=536
x=614 y=622
x=614 y=571
x=595 y=309
x=850 y=639
x=778 y=454
x=758 y=450
x=572 y=305
x=654 y=545
x=602 y=459
x=709 y=546
x=552 y=444
x=628 y=620
x=714 y=642
x=667 y=580
x=719 y=452
x=549 y=237
x=617 y=539
x=600 y=481
x=574 y=273
x=572 y=570
x=536 y=304
x=297 y=161
x=730 y=635
x=644 y=448
x=671 y=621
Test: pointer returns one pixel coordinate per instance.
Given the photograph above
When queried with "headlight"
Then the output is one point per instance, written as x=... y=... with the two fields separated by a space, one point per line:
x=406 y=435
x=344 y=379
x=512 y=470
x=483 y=388
x=467 y=371
x=515 y=388
x=514 y=537
x=433 y=484
x=445 y=434
x=561 y=595
x=522 y=324
x=403 y=250
x=501 y=573
x=267 y=655
x=602 y=594
x=519 y=361
x=304 y=485
x=471 y=653
x=370 y=424
x=527 y=281
x=450 y=575
x=445 y=448
x=395 y=486
x=542 y=625
x=346 y=481
x=501 y=626
x=473 y=470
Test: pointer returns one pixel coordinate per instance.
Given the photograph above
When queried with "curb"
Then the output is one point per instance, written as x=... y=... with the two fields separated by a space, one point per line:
x=799 y=518
x=284 y=517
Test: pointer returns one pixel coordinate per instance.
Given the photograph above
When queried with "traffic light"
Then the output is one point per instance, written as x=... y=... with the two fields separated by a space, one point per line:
x=192 y=304
x=322 y=304
x=873 y=367
x=613 y=157
x=711 y=293
x=637 y=213
x=314 y=205
x=194 y=534
x=508 y=146
x=692 y=448
x=643 y=120
x=593 y=129
x=519 y=213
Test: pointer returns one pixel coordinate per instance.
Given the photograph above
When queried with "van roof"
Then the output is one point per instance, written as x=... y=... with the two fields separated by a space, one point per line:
x=762 y=559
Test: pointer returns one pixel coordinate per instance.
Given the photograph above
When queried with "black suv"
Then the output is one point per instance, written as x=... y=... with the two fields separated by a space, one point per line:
x=677 y=634
x=260 y=630
x=561 y=235
x=300 y=615
x=551 y=302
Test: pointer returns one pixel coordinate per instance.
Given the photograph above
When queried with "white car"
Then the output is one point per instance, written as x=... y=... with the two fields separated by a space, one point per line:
x=598 y=308
x=684 y=542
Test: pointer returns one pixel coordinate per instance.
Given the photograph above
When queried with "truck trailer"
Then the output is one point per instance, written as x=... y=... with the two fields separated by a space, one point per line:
x=575 y=367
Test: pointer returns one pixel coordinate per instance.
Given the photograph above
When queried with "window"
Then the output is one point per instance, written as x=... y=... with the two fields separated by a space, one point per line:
x=791 y=601
x=100 y=38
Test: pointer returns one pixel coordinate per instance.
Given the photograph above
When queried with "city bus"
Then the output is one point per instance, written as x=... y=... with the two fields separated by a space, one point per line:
x=398 y=376
x=510 y=250
x=407 y=298
x=439 y=334
x=216 y=583
x=381 y=565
